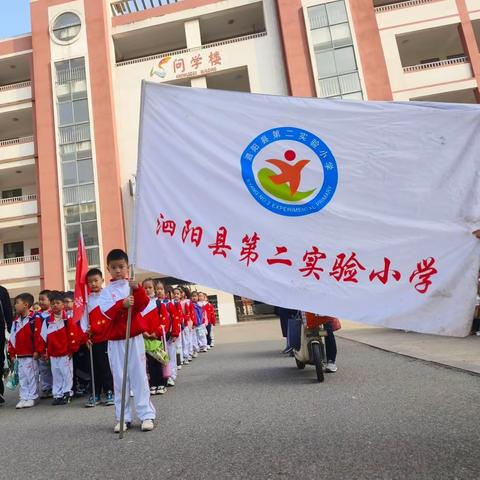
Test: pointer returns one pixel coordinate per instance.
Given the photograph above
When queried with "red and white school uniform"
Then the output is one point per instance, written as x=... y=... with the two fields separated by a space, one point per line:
x=175 y=332
x=187 y=330
x=21 y=345
x=44 y=368
x=60 y=340
x=201 y=327
x=110 y=308
x=211 y=321
x=177 y=306
x=194 y=348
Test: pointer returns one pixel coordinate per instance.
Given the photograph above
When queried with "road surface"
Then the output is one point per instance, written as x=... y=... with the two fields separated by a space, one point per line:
x=243 y=411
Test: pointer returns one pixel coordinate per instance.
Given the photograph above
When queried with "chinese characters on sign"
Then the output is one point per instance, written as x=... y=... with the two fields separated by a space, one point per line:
x=346 y=267
x=196 y=64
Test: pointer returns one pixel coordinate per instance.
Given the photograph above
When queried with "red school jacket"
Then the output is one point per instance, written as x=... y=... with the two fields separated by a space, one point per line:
x=110 y=308
x=156 y=318
x=22 y=336
x=175 y=318
x=58 y=338
x=209 y=312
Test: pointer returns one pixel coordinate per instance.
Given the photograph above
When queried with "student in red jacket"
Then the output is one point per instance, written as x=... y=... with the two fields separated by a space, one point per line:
x=188 y=325
x=57 y=342
x=113 y=305
x=173 y=332
x=156 y=320
x=211 y=318
x=21 y=345
x=97 y=336
x=44 y=368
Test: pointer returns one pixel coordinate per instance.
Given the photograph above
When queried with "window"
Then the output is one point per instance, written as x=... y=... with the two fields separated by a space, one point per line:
x=334 y=54
x=66 y=26
x=79 y=210
x=12 y=193
x=13 y=250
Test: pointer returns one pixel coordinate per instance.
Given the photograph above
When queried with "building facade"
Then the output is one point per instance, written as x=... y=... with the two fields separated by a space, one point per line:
x=70 y=97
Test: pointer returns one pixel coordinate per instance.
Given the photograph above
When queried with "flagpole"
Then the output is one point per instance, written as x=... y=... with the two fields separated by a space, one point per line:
x=133 y=255
x=125 y=361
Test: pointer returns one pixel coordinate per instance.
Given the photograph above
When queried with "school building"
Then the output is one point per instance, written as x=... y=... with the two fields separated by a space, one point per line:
x=70 y=98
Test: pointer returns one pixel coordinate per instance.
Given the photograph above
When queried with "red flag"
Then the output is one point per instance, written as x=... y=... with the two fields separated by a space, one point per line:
x=80 y=294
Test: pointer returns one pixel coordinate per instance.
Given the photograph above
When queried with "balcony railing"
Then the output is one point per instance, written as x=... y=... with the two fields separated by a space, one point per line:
x=23 y=198
x=15 y=141
x=124 y=7
x=12 y=86
x=220 y=43
x=16 y=260
x=438 y=64
x=402 y=4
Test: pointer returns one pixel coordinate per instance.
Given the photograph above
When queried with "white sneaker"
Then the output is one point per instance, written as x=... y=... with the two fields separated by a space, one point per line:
x=161 y=390
x=147 y=425
x=28 y=403
x=20 y=404
x=477 y=333
x=195 y=355
x=190 y=359
x=186 y=362
x=212 y=345
x=117 y=427
x=208 y=347
x=179 y=366
x=170 y=382
x=331 y=367
x=153 y=390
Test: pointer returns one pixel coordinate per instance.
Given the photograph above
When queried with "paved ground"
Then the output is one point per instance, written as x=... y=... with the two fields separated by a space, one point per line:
x=461 y=353
x=243 y=411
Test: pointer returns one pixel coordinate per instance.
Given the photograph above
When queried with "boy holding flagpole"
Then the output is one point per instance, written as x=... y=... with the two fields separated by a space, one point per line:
x=116 y=304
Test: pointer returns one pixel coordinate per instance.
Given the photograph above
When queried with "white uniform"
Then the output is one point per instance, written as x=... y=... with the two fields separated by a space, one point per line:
x=172 y=353
x=27 y=375
x=62 y=371
x=44 y=369
x=137 y=381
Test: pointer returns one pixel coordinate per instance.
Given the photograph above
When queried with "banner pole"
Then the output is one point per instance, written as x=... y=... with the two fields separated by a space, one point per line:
x=125 y=362
x=132 y=257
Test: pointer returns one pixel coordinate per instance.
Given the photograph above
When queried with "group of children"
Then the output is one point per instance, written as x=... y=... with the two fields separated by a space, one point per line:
x=169 y=328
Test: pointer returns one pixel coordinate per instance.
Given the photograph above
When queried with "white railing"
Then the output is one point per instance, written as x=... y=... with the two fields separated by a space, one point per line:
x=407 y=4
x=13 y=86
x=438 y=64
x=243 y=38
x=15 y=141
x=72 y=75
x=125 y=7
x=15 y=260
x=74 y=133
x=23 y=198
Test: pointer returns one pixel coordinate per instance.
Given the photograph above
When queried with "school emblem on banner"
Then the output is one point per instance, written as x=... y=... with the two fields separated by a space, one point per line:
x=290 y=171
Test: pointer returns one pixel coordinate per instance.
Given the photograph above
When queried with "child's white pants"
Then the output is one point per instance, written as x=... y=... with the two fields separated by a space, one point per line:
x=186 y=340
x=194 y=340
x=46 y=380
x=172 y=353
x=62 y=373
x=201 y=336
x=179 y=343
x=212 y=335
x=27 y=376
x=137 y=381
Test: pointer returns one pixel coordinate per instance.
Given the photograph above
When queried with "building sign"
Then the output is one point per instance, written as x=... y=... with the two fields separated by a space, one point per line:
x=197 y=63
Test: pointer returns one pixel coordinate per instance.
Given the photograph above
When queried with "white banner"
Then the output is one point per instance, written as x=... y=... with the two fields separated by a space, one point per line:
x=360 y=210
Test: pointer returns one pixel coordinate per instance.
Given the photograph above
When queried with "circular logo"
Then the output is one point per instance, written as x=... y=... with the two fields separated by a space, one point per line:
x=290 y=171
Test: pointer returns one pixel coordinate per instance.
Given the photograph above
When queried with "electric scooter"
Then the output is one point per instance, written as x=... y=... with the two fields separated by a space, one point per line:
x=312 y=345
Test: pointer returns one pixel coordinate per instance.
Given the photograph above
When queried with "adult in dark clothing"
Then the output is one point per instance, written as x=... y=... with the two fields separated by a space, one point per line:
x=6 y=318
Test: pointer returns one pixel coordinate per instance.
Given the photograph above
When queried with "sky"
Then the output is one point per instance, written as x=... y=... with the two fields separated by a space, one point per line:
x=14 y=17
